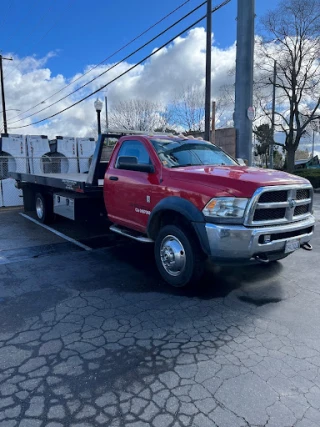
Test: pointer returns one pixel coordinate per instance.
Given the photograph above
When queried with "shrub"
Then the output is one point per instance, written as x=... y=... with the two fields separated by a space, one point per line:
x=313 y=175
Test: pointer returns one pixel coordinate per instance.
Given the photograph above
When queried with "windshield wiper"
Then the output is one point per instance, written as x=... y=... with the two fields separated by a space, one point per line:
x=186 y=164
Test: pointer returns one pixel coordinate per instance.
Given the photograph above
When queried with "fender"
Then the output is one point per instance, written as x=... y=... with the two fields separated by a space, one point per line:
x=184 y=207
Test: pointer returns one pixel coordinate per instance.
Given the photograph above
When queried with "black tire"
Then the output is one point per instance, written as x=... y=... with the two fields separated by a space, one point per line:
x=193 y=266
x=44 y=208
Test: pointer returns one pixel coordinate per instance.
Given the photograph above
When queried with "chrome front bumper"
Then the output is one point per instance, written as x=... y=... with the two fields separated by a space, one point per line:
x=231 y=243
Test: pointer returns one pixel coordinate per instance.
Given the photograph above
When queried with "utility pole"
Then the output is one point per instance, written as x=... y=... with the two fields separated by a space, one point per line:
x=312 y=154
x=4 y=115
x=213 y=125
x=208 y=73
x=244 y=111
x=107 y=118
x=106 y=105
x=273 y=113
x=315 y=129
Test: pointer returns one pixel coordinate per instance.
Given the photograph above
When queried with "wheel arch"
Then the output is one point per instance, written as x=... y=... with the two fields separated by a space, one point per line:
x=175 y=210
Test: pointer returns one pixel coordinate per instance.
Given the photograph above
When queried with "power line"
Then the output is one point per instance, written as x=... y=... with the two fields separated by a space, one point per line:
x=125 y=72
x=104 y=60
x=113 y=66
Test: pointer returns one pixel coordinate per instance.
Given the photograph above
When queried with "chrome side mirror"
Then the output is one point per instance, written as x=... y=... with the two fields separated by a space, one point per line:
x=242 y=162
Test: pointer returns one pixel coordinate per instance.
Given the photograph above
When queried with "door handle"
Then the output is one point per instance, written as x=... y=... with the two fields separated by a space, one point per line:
x=113 y=178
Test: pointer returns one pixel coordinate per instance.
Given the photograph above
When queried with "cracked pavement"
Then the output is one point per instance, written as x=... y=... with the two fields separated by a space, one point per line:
x=97 y=339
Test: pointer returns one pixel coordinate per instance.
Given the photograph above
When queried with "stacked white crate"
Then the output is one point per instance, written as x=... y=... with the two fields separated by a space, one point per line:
x=86 y=147
x=13 y=159
x=65 y=148
x=38 y=148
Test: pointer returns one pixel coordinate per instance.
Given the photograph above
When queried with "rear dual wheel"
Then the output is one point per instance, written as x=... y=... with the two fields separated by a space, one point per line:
x=44 y=208
x=178 y=255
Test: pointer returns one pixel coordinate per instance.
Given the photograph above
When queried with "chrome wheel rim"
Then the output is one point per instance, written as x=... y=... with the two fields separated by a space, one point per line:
x=39 y=208
x=173 y=255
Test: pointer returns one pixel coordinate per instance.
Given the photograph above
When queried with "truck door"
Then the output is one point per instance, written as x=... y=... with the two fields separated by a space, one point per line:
x=128 y=194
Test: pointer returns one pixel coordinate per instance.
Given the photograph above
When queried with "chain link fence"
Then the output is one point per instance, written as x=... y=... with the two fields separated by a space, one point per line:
x=46 y=164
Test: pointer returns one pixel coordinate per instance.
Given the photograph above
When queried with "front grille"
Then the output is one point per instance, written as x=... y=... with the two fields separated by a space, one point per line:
x=300 y=210
x=303 y=194
x=274 y=197
x=269 y=214
x=287 y=235
x=279 y=205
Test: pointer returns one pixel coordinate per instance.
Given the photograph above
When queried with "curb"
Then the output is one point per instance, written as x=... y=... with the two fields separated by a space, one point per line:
x=316 y=190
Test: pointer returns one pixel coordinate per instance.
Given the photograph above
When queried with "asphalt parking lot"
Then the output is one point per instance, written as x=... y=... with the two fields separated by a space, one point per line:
x=95 y=338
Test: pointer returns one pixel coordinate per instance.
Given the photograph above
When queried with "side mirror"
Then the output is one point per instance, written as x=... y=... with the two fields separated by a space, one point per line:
x=131 y=163
x=242 y=162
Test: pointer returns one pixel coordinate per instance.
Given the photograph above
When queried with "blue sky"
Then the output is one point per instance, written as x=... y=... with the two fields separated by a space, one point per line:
x=54 y=41
x=83 y=32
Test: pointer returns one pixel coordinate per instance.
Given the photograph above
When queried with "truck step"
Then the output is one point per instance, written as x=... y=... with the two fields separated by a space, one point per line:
x=130 y=233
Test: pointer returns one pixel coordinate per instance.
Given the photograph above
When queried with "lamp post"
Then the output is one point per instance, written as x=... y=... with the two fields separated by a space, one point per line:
x=98 y=106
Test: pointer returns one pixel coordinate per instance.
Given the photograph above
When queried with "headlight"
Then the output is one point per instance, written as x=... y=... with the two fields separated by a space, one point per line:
x=225 y=207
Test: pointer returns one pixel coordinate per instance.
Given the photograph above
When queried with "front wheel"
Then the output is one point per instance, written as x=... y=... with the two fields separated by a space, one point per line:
x=178 y=255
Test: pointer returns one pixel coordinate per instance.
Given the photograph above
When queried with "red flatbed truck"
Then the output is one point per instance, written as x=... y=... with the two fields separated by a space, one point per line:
x=187 y=196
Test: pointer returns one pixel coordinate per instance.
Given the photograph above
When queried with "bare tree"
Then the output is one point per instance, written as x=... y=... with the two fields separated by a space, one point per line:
x=293 y=40
x=138 y=114
x=302 y=154
x=225 y=106
x=187 y=109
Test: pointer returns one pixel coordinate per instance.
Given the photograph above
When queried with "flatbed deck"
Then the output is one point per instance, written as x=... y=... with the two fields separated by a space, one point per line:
x=77 y=182
x=81 y=177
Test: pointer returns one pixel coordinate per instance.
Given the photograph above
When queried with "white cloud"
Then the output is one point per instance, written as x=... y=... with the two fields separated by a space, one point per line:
x=158 y=79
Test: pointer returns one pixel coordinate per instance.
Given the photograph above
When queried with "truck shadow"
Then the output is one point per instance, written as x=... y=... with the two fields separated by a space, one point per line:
x=136 y=263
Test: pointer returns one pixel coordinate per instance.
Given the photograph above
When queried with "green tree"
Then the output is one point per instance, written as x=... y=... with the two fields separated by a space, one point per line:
x=263 y=135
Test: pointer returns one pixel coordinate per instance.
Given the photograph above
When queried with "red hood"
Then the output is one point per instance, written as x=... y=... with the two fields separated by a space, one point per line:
x=239 y=181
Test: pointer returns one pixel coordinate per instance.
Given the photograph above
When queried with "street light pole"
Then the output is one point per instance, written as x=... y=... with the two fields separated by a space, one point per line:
x=98 y=106
x=99 y=122
x=2 y=95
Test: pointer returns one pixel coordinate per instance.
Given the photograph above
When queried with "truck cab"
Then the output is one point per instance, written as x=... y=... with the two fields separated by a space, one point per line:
x=195 y=201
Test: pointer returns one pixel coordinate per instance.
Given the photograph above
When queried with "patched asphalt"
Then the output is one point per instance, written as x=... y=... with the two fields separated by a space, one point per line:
x=95 y=338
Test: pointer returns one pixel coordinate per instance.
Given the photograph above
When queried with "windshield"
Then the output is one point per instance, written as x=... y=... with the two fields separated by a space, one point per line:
x=175 y=153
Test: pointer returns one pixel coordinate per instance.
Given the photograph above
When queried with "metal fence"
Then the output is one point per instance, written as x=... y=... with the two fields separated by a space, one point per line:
x=46 y=164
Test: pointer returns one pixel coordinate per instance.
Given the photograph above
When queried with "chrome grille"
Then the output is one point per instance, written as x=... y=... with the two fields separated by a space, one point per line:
x=279 y=205
x=300 y=210
x=266 y=214
x=303 y=194
x=274 y=197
